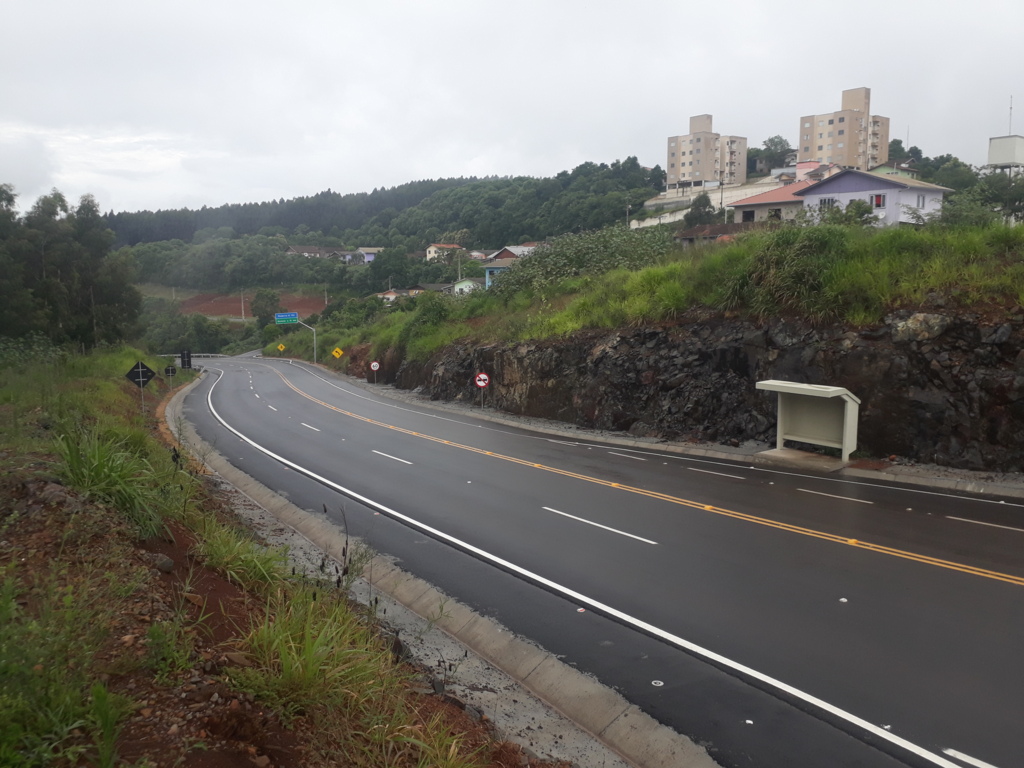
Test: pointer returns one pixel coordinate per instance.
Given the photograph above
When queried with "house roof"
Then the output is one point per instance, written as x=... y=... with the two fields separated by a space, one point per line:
x=901 y=182
x=445 y=245
x=500 y=264
x=778 y=195
x=435 y=287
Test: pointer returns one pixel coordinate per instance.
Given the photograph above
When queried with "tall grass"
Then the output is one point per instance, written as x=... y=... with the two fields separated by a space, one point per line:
x=45 y=658
x=106 y=471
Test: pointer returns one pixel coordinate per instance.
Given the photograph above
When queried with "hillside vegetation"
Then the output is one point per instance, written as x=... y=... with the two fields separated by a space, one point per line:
x=617 y=277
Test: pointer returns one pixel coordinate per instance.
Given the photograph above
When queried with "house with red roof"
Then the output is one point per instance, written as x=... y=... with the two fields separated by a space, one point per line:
x=779 y=204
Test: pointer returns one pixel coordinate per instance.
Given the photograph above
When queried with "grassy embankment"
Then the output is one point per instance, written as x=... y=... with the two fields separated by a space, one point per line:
x=615 y=278
x=75 y=419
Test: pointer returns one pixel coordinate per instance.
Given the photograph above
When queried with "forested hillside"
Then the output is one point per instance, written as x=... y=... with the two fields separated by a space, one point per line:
x=493 y=212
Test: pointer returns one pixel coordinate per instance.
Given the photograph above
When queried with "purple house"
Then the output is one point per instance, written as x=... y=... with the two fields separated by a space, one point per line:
x=894 y=199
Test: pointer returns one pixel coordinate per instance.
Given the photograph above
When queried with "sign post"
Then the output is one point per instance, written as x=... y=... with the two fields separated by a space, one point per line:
x=482 y=380
x=140 y=375
x=287 y=318
x=374 y=366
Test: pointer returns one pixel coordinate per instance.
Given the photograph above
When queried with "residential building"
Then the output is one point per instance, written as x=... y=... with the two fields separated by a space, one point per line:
x=702 y=156
x=904 y=168
x=852 y=137
x=438 y=250
x=368 y=254
x=495 y=268
x=514 y=251
x=781 y=204
x=893 y=199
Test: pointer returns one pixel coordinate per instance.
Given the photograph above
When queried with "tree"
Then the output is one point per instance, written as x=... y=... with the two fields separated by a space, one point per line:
x=776 y=150
x=265 y=304
x=701 y=211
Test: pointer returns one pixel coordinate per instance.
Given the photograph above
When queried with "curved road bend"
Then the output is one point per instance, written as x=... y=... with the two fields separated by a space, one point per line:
x=780 y=619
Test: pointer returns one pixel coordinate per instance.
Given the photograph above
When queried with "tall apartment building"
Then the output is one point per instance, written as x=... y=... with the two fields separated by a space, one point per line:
x=702 y=156
x=851 y=137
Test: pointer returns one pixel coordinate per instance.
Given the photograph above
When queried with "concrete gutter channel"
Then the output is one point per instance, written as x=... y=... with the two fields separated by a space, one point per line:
x=587 y=723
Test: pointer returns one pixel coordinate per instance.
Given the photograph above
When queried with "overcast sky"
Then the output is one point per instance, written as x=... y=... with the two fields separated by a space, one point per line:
x=151 y=105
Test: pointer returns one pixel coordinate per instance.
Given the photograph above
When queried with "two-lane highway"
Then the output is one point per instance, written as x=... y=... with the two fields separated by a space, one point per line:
x=783 y=619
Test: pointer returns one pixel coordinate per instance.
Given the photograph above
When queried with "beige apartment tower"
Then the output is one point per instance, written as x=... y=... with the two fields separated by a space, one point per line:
x=702 y=156
x=851 y=137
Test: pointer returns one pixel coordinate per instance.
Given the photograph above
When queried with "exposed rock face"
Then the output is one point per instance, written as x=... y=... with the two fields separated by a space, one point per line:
x=938 y=388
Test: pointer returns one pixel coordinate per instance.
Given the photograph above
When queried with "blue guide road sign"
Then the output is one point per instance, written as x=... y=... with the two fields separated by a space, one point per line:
x=286 y=317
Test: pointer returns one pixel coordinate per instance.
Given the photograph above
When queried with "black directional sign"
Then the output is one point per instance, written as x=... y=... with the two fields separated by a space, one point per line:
x=170 y=370
x=140 y=374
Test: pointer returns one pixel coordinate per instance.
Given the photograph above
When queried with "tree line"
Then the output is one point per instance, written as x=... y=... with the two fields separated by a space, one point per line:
x=494 y=211
x=60 y=278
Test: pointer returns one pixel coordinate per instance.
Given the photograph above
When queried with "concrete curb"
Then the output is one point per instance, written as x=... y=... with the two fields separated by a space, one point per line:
x=619 y=725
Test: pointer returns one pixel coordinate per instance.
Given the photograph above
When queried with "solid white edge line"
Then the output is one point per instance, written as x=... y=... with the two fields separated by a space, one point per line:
x=968 y=759
x=389 y=456
x=308 y=427
x=668 y=637
x=990 y=525
x=626 y=456
x=833 y=496
x=271 y=407
x=709 y=472
x=598 y=525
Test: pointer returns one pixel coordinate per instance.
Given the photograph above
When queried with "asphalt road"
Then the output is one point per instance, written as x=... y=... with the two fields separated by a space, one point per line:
x=781 y=619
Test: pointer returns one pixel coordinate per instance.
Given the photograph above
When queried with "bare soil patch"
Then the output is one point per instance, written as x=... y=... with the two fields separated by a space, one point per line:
x=230 y=304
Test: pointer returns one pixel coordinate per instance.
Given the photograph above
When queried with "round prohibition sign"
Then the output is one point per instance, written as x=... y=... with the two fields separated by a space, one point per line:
x=482 y=380
x=374 y=366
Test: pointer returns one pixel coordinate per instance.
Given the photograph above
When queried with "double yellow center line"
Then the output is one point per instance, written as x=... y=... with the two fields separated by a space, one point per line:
x=963 y=568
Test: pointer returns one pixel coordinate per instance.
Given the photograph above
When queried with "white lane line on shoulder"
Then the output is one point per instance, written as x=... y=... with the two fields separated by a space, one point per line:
x=562 y=442
x=643 y=626
x=626 y=456
x=968 y=759
x=598 y=525
x=308 y=427
x=257 y=395
x=271 y=407
x=979 y=522
x=833 y=496
x=388 y=455
x=720 y=474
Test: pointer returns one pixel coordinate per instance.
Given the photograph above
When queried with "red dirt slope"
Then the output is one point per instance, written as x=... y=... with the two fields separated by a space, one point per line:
x=230 y=304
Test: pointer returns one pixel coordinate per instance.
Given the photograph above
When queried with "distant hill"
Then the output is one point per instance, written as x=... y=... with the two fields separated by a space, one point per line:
x=486 y=213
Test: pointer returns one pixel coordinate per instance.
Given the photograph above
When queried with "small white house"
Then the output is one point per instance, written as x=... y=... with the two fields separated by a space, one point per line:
x=893 y=199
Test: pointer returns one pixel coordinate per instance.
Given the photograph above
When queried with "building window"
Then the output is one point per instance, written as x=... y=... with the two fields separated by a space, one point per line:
x=841 y=144
x=821 y=123
x=671 y=165
x=831 y=121
x=698 y=139
x=830 y=134
x=877 y=201
x=671 y=143
x=820 y=147
x=774 y=214
x=747 y=216
x=827 y=202
x=696 y=173
x=671 y=154
x=842 y=131
x=807 y=125
x=920 y=201
x=698 y=150
x=821 y=135
x=807 y=149
x=842 y=119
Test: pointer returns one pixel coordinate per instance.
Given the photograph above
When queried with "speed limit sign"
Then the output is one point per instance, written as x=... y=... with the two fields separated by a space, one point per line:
x=374 y=366
x=482 y=380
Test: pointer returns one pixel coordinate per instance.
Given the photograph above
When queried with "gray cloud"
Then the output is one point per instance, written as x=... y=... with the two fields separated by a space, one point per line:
x=198 y=103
